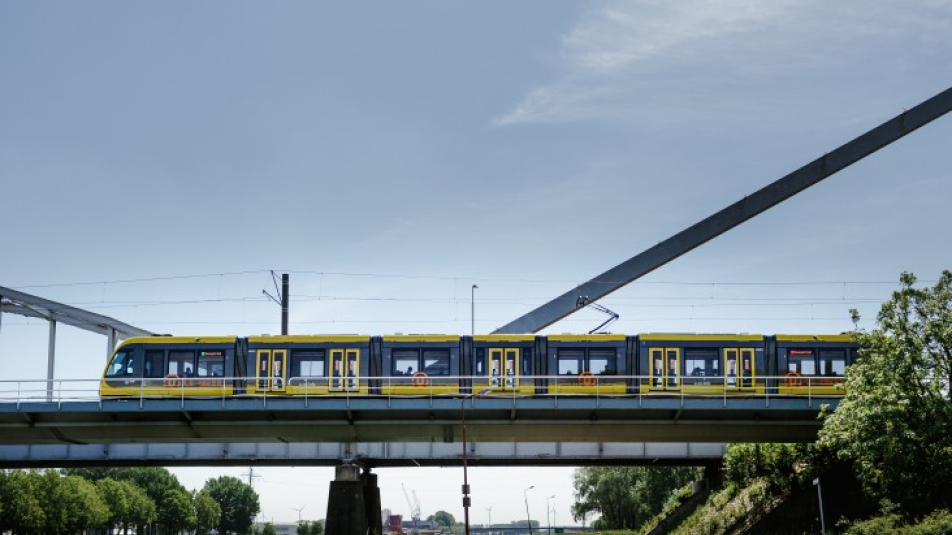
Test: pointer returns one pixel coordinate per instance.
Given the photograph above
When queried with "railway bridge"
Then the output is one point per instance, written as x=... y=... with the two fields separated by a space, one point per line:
x=392 y=431
x=358 y=433
x=61 y=427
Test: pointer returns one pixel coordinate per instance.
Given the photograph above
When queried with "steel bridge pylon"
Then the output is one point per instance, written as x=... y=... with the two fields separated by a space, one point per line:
x=24 y=304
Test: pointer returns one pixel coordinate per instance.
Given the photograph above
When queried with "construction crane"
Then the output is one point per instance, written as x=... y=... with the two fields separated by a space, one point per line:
x=414 y=507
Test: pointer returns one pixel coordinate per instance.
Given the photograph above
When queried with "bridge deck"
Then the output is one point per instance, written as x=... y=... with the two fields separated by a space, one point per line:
x=563 y=419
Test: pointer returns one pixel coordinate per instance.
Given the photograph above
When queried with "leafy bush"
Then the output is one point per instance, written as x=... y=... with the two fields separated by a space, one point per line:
x=891 y=523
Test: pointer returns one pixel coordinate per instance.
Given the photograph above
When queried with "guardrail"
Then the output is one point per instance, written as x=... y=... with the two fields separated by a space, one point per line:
x=638 y=387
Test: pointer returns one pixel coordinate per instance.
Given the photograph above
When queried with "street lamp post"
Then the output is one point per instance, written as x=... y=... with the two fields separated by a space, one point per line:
x=547 y=519
x=472 y=310
x=525 y=494
x=819 y=497
x=466 y=498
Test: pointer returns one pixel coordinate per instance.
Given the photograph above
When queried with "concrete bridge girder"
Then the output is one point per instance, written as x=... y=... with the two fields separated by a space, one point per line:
x=369 y=454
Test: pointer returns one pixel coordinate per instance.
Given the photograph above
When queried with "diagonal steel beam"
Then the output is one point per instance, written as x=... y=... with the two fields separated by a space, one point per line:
x=25 y=304
x=733 y=215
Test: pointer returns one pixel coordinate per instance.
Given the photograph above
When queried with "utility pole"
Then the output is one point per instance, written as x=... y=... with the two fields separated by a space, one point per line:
x=282 y=298
x=251 y=476
x=472 y=310
x=251 y=483
x=525 y=494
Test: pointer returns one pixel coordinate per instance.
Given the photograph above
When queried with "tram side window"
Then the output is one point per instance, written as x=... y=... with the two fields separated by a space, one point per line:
x=308 y=363
x=801 y=361
x=211 y=364
x=405 y=361
x=571 y=361
x=121 y=365
x=702 y=362
x=436 y=361
x=602 y=361
x=833 y=362
x=480 y=362
x=154 y=360
x=181 y=364
x=526 y=362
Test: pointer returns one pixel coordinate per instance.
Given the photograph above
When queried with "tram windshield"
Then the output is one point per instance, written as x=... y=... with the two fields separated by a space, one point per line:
x=121 y=365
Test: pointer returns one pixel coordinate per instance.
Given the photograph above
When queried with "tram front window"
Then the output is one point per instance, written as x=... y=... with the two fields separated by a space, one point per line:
x=121 y=365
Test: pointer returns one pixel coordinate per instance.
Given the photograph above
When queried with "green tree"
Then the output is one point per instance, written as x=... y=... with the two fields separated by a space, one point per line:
x=177 y=513
x=626 y=497
x=154 y=480
x=207 y=512
x=442 y=518
x=22 y=502
x=142 y=510
x=238 y=502
x=268 y=529
x=71 y=504
x=895 y=421
x=115 y=496
x=311 y=528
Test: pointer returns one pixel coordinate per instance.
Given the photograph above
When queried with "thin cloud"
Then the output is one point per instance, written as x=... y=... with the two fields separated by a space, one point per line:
x=622 y=55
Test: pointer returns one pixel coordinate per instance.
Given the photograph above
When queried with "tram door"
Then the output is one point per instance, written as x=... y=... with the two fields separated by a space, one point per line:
x=739 y=367
x=504 y=368
x=664 y=365
x=345 y=370
x=746 y=368
x=271 y=370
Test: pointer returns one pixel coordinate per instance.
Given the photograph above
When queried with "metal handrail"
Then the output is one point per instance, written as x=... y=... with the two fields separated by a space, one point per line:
x=599 y=386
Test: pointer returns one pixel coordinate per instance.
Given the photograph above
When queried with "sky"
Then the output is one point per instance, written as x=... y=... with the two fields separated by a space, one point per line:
x=157 y=160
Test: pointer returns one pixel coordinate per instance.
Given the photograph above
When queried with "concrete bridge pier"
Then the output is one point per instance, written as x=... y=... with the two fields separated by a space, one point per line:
x=372 y=503
x=346 y=509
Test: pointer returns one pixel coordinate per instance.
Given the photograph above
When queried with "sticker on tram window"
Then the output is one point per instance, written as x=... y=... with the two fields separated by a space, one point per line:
x=801 y=351
x=213 y=353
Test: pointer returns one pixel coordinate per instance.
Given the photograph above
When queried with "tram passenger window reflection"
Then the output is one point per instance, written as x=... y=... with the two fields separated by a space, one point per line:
x=570 y=360
x=178 y=362
x=602 y=362
x=833 y=362
x=405 y=359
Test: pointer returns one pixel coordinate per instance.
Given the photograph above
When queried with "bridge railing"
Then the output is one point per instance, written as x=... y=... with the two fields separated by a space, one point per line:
x=638 y=387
